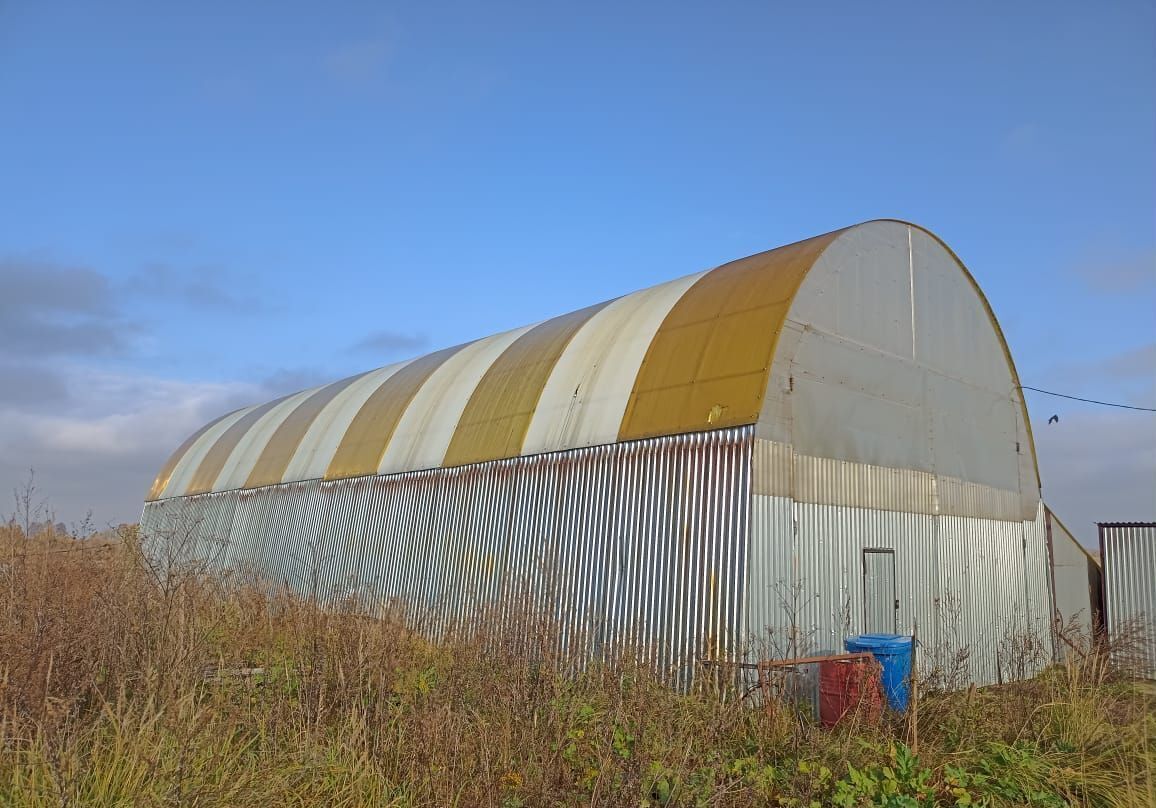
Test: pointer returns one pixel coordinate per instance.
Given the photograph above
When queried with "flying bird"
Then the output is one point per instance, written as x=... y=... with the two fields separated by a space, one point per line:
x=1055 y=419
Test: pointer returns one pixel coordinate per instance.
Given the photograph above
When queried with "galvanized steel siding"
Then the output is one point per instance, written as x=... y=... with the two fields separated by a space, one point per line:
x=964 y=585
x=995 y=595
x=1077 y=586
x=642 y=542
x=658 y=544
x=831 y=541
x=1128 y=553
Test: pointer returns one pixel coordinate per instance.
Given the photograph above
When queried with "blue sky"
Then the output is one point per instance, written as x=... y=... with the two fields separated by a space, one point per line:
x=201 y=207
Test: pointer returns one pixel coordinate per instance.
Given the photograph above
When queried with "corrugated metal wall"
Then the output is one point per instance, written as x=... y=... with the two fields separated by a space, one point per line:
x=969 y=587
x=643 y=542
x=1128 y=553
x=1077 y=585
x=656 y=543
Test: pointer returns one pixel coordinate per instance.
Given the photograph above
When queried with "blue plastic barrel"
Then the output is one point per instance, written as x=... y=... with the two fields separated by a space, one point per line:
x=893 y=651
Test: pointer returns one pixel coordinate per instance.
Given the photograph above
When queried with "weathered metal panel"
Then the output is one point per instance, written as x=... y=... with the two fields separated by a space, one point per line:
x=1037 y=575
x=830 y=546
x=425 y=430
x=771 y=579
x=241 y=459
x=166 y=472
x=641 y=543
x=1075 y=586
x=209 y=469
x=189 y=530
x=496 y=419
x=898 y=367
x=996 y=603
x=997 y=594
x=585 y=397
x=961 y=498
x=825 y=481
x=186 y=466
x=320 y=443
x=285 y=441
x=974 y=590
x=365 y=440
x=709 y=362
x=879 y=601
x=1128 y=553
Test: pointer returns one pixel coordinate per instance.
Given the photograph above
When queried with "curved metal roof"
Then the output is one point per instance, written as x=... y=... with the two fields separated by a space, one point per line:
x=689 y=355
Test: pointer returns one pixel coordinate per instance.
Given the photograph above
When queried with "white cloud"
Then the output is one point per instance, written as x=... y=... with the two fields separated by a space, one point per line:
x=125 y=413
x=49 y=309
x=101 y=452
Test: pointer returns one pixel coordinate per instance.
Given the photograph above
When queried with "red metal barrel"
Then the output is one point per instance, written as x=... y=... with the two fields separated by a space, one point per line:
x=847 y=685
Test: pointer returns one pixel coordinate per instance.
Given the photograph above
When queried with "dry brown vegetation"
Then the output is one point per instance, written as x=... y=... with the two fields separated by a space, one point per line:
x=125 y=684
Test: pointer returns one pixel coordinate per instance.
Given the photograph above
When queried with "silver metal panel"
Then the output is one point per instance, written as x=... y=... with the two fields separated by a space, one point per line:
x=825 y=481
x=829 y=572
x=635 y=544
x=771 y=579
x=983 y=591
x=1128 y=553
x=961 y=498
x=645 y=544
x=1074 y=576
x=996 y=602
x=899 y=364
x=974 y=591
x=193 y=530
x=879 y=602
x=1037 y=575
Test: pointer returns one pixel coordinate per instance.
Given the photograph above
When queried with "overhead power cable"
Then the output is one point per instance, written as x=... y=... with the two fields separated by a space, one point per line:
x=1088 y=400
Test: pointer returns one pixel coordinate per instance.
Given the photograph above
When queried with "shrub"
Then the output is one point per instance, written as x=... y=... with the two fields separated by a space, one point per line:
x=124 y=683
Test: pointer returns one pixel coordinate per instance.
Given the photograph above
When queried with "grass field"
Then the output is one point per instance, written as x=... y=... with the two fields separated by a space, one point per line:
x=120 y=685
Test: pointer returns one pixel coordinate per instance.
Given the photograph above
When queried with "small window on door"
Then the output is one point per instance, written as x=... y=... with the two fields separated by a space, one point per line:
x=880 y=606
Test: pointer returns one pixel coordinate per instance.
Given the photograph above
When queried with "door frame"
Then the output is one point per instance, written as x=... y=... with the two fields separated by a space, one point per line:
x=890 y=551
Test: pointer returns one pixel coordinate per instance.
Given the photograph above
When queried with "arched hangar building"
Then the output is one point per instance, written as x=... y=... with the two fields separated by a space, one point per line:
x=755 y=460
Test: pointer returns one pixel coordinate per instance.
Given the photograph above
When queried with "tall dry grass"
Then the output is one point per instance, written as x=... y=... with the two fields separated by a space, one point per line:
x=125 y=683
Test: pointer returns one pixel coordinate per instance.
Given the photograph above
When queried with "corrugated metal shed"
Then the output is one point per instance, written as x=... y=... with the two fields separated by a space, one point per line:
x=1128 y=552
x=661 y=467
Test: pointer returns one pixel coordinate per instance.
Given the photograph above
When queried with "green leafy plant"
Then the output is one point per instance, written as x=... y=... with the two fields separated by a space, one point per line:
x=903 y=783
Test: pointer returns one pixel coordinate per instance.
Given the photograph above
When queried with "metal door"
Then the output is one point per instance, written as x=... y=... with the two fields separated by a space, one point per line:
x=880 y=606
